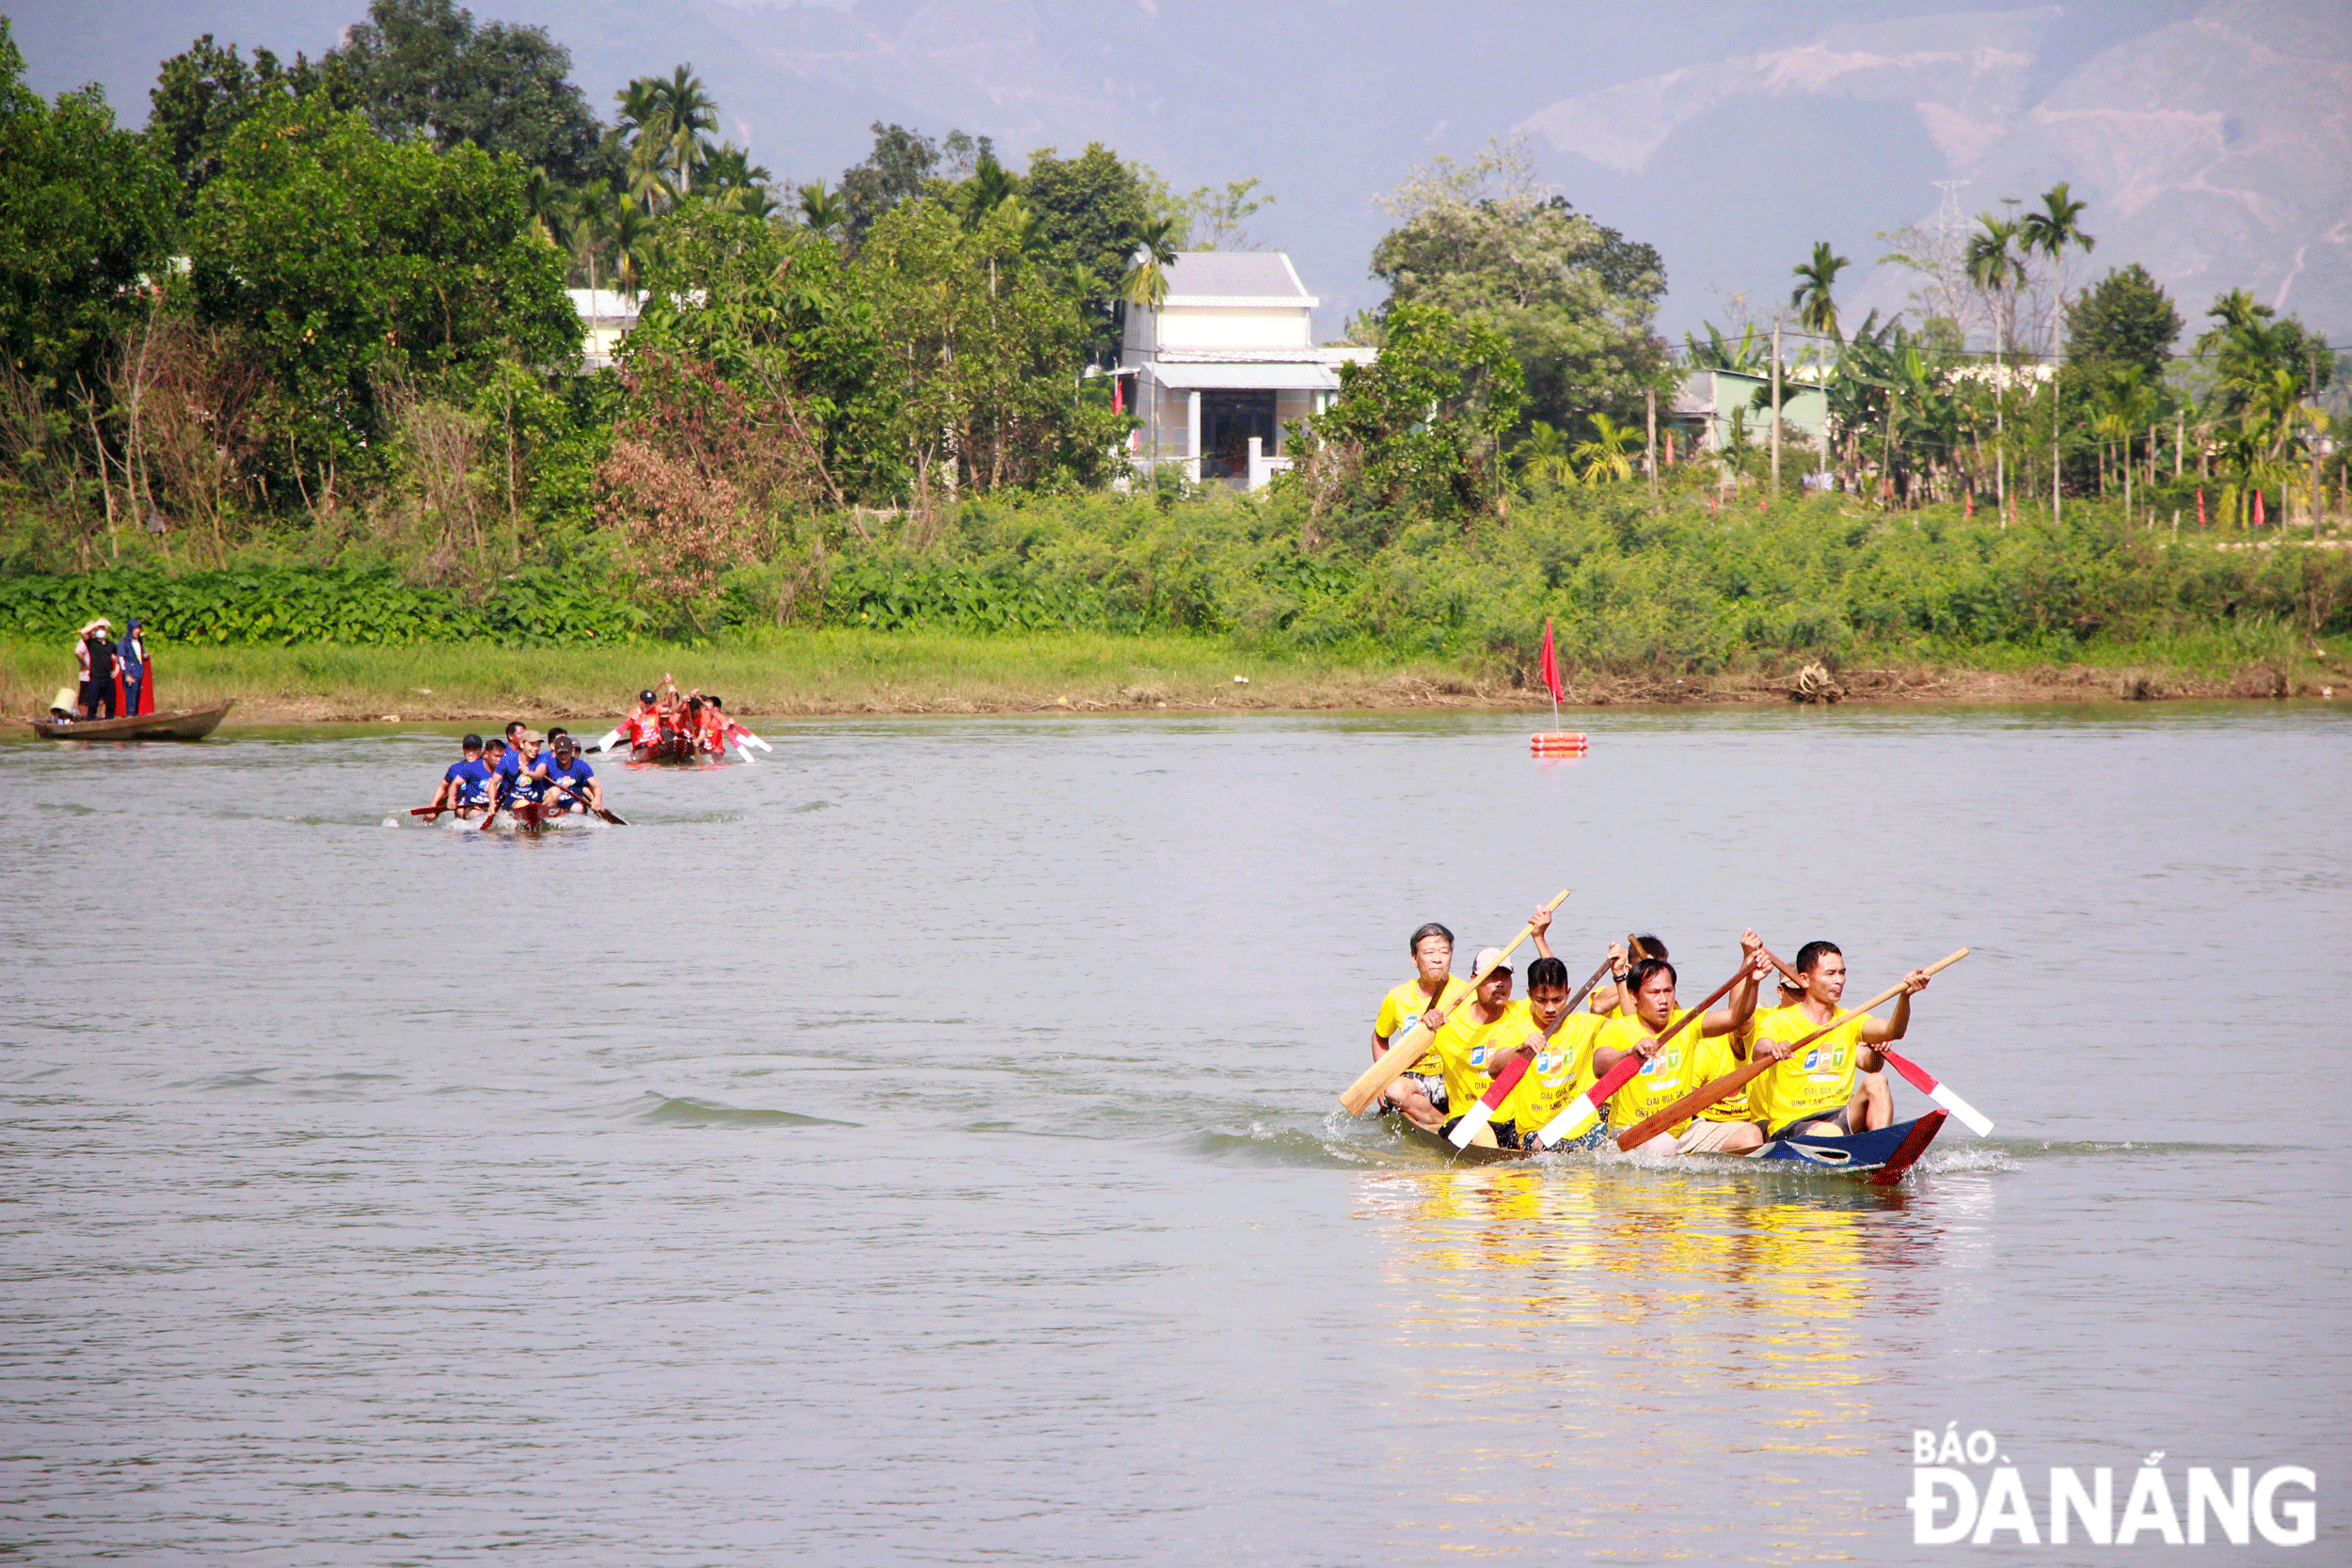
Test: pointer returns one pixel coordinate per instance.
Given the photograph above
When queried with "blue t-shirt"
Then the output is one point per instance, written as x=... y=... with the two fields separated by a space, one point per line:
x=576 y=774
x=472 y=779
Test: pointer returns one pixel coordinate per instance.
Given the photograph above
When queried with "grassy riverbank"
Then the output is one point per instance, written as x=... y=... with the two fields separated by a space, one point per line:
x=786 y=672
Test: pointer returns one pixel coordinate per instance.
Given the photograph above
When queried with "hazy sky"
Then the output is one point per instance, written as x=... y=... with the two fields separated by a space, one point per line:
x=2212 y=140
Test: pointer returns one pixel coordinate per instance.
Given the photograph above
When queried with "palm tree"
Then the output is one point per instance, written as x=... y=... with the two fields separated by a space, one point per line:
x=544 y=202
x=631 y=237
x=989 y=186
x=689 y=110
x=589 y=224
x=2057 y=225
x=1146 y=283
x=1811 y=298
x=822 y=211
x=1997 y=271
x=1543 y=456
x=1605 y=456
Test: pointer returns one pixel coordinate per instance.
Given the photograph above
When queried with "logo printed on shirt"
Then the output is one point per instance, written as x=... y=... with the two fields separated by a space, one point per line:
x=1812 y=1057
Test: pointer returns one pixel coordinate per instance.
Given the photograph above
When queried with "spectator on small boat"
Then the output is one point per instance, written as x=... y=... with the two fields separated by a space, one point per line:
x=94 y=659
x=567 y=767
x=1681 y=1063
x=465 y=783
x=132 y=665
x=1420 y=1093
x=1820 y=1091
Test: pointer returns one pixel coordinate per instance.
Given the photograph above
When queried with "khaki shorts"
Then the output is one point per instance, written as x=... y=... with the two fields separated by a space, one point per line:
x=1703 y=1137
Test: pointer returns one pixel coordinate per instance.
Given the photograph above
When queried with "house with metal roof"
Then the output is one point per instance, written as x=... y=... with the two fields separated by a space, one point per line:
x=1226 y=365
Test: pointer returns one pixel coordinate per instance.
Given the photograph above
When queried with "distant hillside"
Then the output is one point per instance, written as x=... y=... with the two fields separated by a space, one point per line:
x=2214 y=141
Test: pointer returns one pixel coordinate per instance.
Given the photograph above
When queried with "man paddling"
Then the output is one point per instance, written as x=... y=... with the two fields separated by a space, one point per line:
x=1817 y=1091
x=1420 y=1093
x=1673 y=1070
x=1557 y=1047
x=574 y=782
x=465 y=783
x=1480 y=1029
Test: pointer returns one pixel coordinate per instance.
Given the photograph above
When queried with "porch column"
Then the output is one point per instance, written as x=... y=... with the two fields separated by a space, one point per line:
x=1192 y=432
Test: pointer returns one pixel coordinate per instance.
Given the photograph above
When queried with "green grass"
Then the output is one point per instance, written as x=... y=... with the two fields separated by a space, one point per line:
x=771 y=671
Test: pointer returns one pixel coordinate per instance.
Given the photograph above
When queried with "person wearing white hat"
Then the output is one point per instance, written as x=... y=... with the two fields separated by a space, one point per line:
x=94 y=664
x=1479 y=1028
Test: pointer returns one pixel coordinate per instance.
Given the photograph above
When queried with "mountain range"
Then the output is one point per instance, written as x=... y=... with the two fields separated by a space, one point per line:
x=2212 y=141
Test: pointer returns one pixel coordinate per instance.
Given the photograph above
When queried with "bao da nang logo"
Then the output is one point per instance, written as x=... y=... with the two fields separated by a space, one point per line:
x=1961 y=1496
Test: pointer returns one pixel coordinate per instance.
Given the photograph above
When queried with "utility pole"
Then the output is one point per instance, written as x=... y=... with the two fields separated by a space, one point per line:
x=2314 y=447
x=2054 y=444
x=1775 y=405
x=1649 y=408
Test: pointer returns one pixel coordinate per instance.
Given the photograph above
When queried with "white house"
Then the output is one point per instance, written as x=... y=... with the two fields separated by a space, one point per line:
x=605 y=317
x=1226 y=365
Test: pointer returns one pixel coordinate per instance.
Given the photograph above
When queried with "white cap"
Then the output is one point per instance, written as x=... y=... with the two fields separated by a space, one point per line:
x=1490 y=958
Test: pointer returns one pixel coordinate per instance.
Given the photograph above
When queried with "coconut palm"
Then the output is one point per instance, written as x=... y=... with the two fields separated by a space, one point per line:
x=1607 y=455
x=989 y=186
x=1154 y=247
x=1997 y=271
x=822 y=210
x=1811 y=298
x=2051 y=231
x=688 y=110
x=1543 y=456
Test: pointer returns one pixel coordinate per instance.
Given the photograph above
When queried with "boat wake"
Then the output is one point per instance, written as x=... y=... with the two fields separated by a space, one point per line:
x=686 y=1111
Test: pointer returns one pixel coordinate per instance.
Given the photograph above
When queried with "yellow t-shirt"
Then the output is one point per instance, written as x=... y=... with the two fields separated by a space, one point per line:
x=1463 y=1046
x=1663 y=1079
x=1716 y=1059
x=1563 y=1068
x=1814 y=1081
x=1407 y=1002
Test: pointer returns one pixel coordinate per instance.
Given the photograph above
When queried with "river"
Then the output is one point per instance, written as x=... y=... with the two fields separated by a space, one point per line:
x=920 y=1148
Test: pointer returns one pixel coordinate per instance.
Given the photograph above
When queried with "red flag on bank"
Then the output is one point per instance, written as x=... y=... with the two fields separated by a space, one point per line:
x=1550 y=666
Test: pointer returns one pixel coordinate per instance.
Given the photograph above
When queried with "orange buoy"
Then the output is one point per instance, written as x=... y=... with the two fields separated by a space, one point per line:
x=1559 y=744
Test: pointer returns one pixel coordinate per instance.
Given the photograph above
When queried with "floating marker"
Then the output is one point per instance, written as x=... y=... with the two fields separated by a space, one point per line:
x=1559 y=744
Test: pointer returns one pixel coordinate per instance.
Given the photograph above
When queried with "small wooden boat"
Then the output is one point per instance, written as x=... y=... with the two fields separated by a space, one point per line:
x=1879 y=1157
x=171 y=724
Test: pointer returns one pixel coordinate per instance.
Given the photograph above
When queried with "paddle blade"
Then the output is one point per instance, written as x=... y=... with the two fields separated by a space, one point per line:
x=1480 y=1115
x=1974 y=1119
x=1386 y=1069
x=1571 y=1122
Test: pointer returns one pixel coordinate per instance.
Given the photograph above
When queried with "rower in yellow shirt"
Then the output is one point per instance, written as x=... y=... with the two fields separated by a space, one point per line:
x=1559 y=1048
x=1817 y=1091
x=1671 y=1071
x=1420 y=1093
x=1486 y=1024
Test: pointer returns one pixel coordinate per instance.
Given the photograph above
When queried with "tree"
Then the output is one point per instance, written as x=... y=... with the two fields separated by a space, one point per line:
x=1572 y=301
x=1146 y=283
x=344 y=258
x=1607 y=455
x=900 y=165
x=1091 y=207
x=822 y=212
x=423 y=67
x=1415 y=432
x=2051 y=231
x=205 y=92
x=2126 y=319
x=1816 y=310
x=1218 y=220
x=86 y=214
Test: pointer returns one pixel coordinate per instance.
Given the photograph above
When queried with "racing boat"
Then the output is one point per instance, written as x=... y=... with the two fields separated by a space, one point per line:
x=1879 y=1157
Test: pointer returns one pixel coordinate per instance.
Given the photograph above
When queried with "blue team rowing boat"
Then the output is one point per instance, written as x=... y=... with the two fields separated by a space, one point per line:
x=1879 y=1157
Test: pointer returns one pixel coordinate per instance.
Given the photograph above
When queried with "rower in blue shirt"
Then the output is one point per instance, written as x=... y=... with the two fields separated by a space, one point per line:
x=567 y=767
x=465 y=784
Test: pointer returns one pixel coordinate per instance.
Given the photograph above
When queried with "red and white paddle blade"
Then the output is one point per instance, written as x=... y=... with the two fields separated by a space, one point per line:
x=1972 y=1119
x=1474 y=1121
x=1580 y=1113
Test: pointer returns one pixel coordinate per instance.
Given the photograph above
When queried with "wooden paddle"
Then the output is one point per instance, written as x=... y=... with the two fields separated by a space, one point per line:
x=612 y=816
x=1732 y=1083
x=1508 y=1079
x=428 y=813
x=1579 y=1113
x=1395 y=1063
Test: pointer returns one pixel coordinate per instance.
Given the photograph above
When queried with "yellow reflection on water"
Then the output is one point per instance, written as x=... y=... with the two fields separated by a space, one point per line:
x=1599 y=1359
